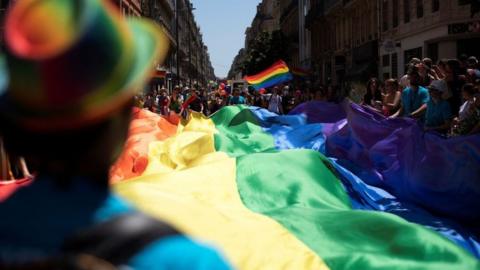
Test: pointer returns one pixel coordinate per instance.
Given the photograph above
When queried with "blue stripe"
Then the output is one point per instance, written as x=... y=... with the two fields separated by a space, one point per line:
x=296 y=131
x=275 y=80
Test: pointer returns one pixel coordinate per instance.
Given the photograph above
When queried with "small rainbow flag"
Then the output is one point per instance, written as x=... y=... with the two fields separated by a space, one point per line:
x=276 y=74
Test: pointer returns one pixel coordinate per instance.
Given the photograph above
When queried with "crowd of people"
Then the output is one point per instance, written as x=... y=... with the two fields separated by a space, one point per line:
x=279 y=99
x=444 y=97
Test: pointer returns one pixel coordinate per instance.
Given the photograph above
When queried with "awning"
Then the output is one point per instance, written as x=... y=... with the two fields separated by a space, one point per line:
x=159 y=74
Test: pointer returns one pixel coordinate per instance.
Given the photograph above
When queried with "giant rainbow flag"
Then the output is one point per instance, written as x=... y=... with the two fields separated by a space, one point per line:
x=276 y=74
x=327 y=187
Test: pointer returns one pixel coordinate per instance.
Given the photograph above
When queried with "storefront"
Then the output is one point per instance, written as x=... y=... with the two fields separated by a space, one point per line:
x=443 y=42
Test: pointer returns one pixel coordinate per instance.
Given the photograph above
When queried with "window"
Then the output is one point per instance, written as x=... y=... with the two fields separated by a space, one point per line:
x=395 y=13
x=386 y=60
x=432 y=51
x=419 y=8
x=413 y=53
x=406 y=11
x=385 y=16
x=435 y=5
x=394 y=65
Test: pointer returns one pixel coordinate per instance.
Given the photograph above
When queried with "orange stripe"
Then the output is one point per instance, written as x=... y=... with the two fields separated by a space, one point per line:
x=266 y=73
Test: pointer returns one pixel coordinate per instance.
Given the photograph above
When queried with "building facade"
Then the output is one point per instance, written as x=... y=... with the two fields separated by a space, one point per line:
x=289 y=25
x=267 y=19
x=436 y=29
x=344 y=40
x=188 y=62
x=129 y=7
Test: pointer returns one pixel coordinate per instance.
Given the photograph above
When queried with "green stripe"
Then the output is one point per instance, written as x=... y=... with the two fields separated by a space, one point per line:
x=239 y=132
x=298 y=189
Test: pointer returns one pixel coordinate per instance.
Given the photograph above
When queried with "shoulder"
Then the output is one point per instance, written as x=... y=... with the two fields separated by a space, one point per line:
x=178 y=252
x=423 y=90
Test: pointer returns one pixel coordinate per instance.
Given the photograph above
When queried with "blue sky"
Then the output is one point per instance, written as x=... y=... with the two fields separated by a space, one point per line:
x=223 y=24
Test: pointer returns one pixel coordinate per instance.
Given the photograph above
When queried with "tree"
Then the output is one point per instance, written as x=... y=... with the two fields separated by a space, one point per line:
x=264 y=50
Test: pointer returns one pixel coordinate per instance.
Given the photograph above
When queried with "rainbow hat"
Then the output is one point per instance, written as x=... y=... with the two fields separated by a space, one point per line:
x=73 y=63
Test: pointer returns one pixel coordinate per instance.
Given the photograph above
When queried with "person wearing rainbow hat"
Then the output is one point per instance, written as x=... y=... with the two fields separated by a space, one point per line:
x=73 y=68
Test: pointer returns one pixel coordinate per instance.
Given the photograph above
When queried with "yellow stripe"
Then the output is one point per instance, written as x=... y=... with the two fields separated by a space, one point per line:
x=194 y=188
x=276 y=72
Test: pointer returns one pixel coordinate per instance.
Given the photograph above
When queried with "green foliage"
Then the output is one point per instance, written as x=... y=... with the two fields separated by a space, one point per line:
x=264 y=50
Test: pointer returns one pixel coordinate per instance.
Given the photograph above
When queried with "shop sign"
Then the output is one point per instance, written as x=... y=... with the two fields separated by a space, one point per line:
x=462 y=28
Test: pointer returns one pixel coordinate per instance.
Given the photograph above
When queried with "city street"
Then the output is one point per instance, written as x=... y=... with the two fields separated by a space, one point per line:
x=253 y=134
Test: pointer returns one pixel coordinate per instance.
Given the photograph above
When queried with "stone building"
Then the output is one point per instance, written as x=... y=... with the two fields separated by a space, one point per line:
x=344 y=39
x=434 y=28
x=188 y=62
x=267 y=19
x=129 y=7
x=289 y=25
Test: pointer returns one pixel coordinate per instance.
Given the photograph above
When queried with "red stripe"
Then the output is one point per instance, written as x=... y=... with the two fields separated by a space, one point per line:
x=279 y=64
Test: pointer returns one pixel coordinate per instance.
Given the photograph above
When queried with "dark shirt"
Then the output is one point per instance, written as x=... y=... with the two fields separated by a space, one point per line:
x=196 y=105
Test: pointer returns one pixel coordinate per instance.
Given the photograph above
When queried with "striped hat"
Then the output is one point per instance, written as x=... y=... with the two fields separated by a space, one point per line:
x=73 y=63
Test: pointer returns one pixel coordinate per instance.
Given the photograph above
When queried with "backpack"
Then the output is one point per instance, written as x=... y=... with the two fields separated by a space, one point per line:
x=107 y=245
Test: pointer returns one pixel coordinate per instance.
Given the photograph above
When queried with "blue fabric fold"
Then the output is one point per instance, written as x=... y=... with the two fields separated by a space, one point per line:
x=391 y=165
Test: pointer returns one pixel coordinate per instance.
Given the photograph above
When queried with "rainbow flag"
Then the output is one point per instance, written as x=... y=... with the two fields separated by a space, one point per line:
x=276 y=74
x=297 y=191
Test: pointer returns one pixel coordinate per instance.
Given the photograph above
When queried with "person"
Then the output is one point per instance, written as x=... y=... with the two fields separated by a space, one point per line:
x=404 y=83
x=438 y=116
x=164 y=102
x=70 y=137
x=424 y=69
x=138 y=101
x=373 y=97
x=297 y=98
x=258 y=100
x=455 y=81
x=468 y=92
x=414 y=99
x=176 y=100
x=236 y=98
x=149 y=103
x=197 y=102
x=216 y=104
x=275 y=102
x=288 y=99
x=441 y=69
x=391 y=101
x=472 y=62
x=469 y=114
